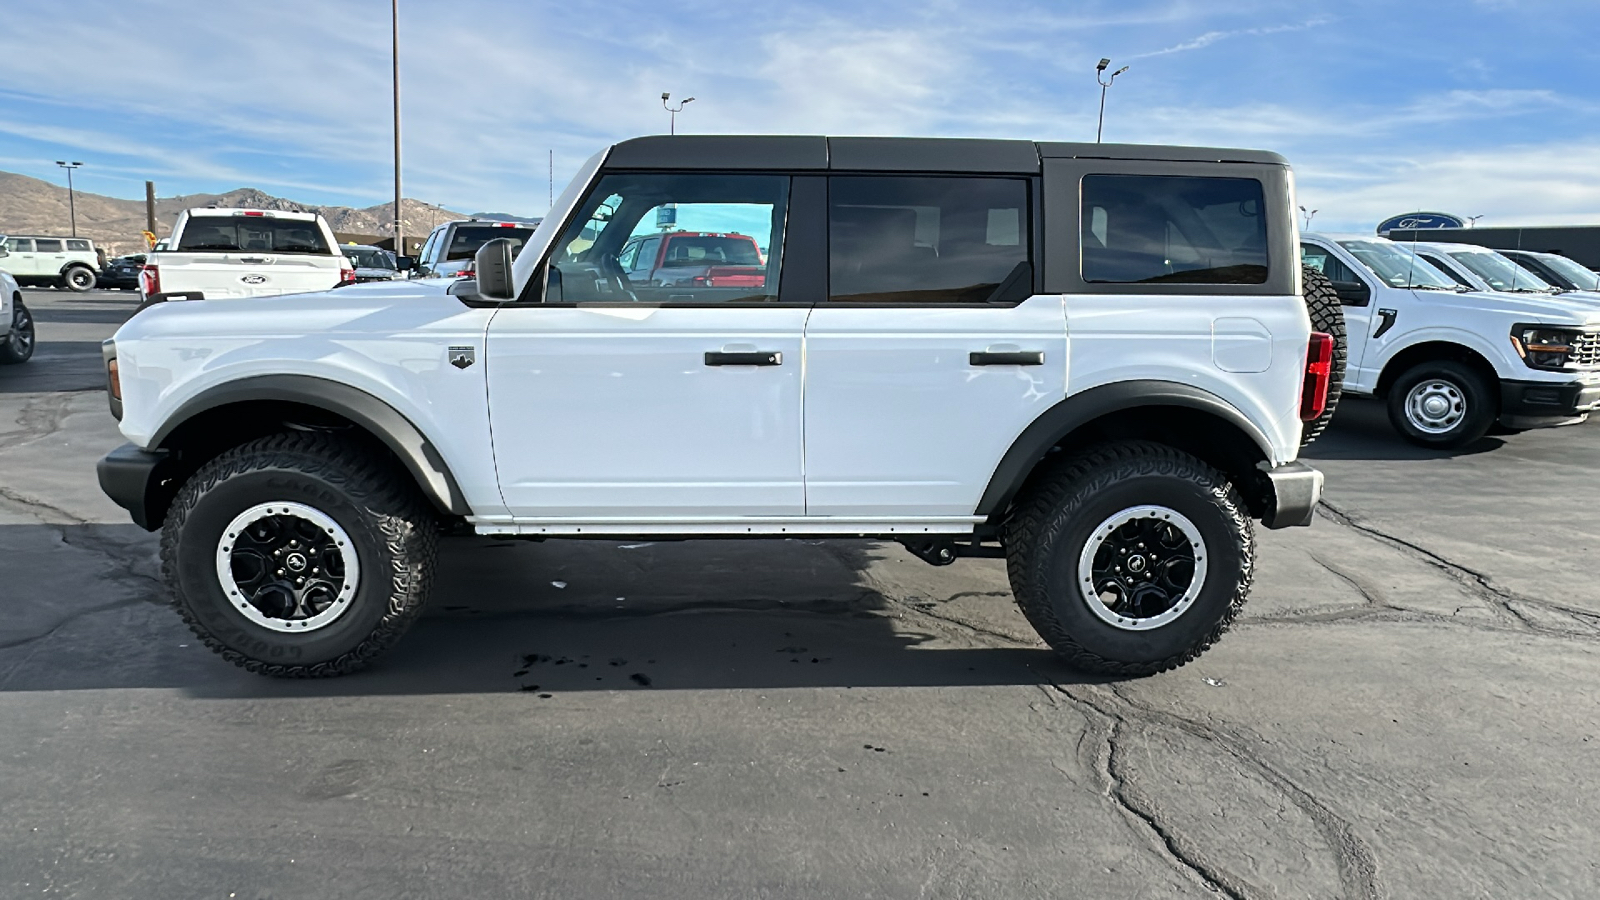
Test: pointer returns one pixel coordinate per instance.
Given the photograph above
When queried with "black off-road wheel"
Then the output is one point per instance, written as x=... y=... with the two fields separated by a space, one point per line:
x=299 y=555
x=17 y=345
x=1130 y=559
x=1327 y=316
x=78 y=279
x=1442 y=404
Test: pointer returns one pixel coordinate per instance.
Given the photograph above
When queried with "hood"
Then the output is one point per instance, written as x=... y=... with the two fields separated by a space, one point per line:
x=1545 y=309
x=377 y=306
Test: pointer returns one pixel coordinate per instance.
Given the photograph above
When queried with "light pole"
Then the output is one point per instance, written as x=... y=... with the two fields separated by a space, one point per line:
x=664 y=98
x=1099 y=72
x=72 y=203
x=1472 y=221
x=399 y=233
x=1309 y=214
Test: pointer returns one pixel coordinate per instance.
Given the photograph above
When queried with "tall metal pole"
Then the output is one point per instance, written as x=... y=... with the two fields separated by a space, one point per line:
x=1099 y=75
x=1101 y=127
x=72 y=203
x=399 y=231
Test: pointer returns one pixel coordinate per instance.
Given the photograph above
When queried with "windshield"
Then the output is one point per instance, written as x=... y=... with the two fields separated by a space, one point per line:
x=1582 y=279
x=465 y=242
x=1397 y=266
x=1501 y=273
x=252 y=233
x=369 y=257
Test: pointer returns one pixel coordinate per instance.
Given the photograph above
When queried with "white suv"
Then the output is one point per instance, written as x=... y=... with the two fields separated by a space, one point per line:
x=54 y=261
x=16 y=324
x=216 y=253
x=1452 y=362
x=1092 y=359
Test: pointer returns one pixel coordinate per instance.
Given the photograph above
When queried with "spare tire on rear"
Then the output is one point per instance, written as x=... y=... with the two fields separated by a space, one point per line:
x=1327 y=316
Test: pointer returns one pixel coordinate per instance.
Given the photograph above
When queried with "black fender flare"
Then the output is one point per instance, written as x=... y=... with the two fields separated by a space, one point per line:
x=1078 y=410
x=381 y=420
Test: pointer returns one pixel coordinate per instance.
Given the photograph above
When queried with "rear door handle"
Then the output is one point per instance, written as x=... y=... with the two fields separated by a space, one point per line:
x=1007 y=358
x=744 y=358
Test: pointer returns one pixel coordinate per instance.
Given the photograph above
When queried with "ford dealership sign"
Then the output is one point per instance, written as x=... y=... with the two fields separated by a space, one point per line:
x=1421 y=220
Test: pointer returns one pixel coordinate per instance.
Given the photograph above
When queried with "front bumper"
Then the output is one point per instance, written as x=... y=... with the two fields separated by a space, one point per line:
x=1532 y=404
x=135 y=480
x=1293 y=492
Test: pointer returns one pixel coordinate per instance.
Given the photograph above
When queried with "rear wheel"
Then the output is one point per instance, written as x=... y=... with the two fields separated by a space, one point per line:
x=1327 y=316
x=1441 y=404
x=299 y=555
x=17 y=347
x=79 y=279
x=1131 y=559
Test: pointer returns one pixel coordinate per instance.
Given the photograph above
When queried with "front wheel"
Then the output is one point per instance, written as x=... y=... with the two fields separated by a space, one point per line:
x=17 y=346
x=1131 y=559
x=299 y=555
x=79 y=279
x=1441 y=404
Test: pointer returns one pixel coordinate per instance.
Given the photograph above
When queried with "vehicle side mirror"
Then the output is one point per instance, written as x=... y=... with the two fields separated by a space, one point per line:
x=4 y=253
x=404 y=263
x=1352 y=293
x=493 y=265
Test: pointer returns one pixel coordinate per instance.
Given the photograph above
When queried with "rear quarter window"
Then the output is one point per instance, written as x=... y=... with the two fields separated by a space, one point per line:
x=257 y=234
x=1173 y=229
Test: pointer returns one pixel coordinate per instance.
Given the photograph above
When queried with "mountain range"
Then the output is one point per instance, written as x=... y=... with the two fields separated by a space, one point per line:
x=32 y=206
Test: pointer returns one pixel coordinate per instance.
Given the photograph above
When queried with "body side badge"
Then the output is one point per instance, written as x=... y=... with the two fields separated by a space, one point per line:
x=462 y=357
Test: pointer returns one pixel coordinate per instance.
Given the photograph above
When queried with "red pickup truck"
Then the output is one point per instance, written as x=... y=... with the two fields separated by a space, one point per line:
x=694 y=258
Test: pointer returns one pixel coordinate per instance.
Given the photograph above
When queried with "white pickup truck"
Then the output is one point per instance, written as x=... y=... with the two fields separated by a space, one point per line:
x=219 y=253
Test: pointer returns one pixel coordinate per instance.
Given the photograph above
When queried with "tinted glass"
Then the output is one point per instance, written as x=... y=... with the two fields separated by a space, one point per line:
x=916 y=239
x=368 y=257
x=1581 y=279
x=1320 y=259
x=1449 y=271
x=50 y=246
x=1161 y=229
x=465 y=242
x=20 y=245
x=78 y=245
x=722 y=222
x=1502 y=274
x=1397 y=265
x=252 y=233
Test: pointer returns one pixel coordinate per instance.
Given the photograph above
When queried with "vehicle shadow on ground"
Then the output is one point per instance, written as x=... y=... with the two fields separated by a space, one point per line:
x=98 y=315
x=579 y=616
x=1360 y=430
x=56 y=367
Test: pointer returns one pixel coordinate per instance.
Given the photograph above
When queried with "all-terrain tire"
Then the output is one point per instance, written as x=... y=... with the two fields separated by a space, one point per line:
x=392 y=530
x=78 y=279
x=1464 y=389
x=1327 y=316
x=18 y=344
x=1049 y=529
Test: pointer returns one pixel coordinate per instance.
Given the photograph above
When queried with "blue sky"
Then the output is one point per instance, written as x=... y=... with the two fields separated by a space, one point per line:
x=1487 y=107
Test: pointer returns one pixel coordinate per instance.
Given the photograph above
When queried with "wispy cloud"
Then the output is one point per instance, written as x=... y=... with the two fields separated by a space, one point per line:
x=1212 y=37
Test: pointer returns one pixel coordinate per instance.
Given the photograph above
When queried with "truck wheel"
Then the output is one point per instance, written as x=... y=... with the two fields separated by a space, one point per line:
x=299 y=555
x=1130 y=559
x=1441 y=404
x=18 y=344
x=1327 y=316
x=79 y=279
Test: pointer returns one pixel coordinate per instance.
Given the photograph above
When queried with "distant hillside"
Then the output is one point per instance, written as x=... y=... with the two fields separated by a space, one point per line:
x=31 y=206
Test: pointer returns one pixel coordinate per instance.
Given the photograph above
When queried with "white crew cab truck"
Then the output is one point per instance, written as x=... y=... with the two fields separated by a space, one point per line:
x=1093 y=359
x=219 y=253
x=1451 y=362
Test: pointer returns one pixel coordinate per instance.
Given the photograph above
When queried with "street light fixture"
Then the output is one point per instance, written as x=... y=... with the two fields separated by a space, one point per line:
x=1099 y=72
x=72 y=204
x=1309 y=214
x=665 y=96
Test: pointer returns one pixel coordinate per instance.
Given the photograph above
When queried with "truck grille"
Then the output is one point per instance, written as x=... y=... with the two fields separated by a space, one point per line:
x=1586 y=349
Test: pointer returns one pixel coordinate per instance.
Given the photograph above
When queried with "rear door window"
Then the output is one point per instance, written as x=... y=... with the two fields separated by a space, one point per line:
x=915 y=239
x=48 y=246
x=255 y=234
x=1172 y=229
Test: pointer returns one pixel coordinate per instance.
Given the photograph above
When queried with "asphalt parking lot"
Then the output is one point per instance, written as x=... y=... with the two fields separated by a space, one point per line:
x=1408 y=710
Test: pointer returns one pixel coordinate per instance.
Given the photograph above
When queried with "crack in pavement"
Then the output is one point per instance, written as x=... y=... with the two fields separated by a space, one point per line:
x=1499 y=599
x=40 y=417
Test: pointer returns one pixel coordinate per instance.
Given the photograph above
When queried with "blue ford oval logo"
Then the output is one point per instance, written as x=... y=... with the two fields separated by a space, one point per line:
x=254 y=279
x=1420 y=220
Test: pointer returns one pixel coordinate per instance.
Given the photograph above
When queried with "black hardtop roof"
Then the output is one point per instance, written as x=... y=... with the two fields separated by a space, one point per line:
x=892 y=154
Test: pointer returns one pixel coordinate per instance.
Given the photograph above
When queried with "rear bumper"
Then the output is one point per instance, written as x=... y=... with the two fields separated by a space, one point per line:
x=1533 y=404
x=133 y=479
x=1294 y=490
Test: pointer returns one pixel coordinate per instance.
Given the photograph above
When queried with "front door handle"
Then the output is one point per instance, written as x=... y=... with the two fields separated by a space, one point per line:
x=1007 y=358
x=744 y=358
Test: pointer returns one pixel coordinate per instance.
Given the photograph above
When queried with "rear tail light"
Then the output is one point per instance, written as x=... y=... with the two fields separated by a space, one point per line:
x=1319 y=376
x=150 y=281
x=346 y=276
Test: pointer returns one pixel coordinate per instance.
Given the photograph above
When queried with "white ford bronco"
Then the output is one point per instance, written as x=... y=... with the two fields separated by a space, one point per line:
x=1452 y=362
x=1093 y=360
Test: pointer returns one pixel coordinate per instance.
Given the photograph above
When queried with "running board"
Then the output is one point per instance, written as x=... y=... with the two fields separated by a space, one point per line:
x=789 y=526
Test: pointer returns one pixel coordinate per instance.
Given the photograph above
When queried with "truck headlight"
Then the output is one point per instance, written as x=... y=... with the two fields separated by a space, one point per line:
x=1544 y=347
